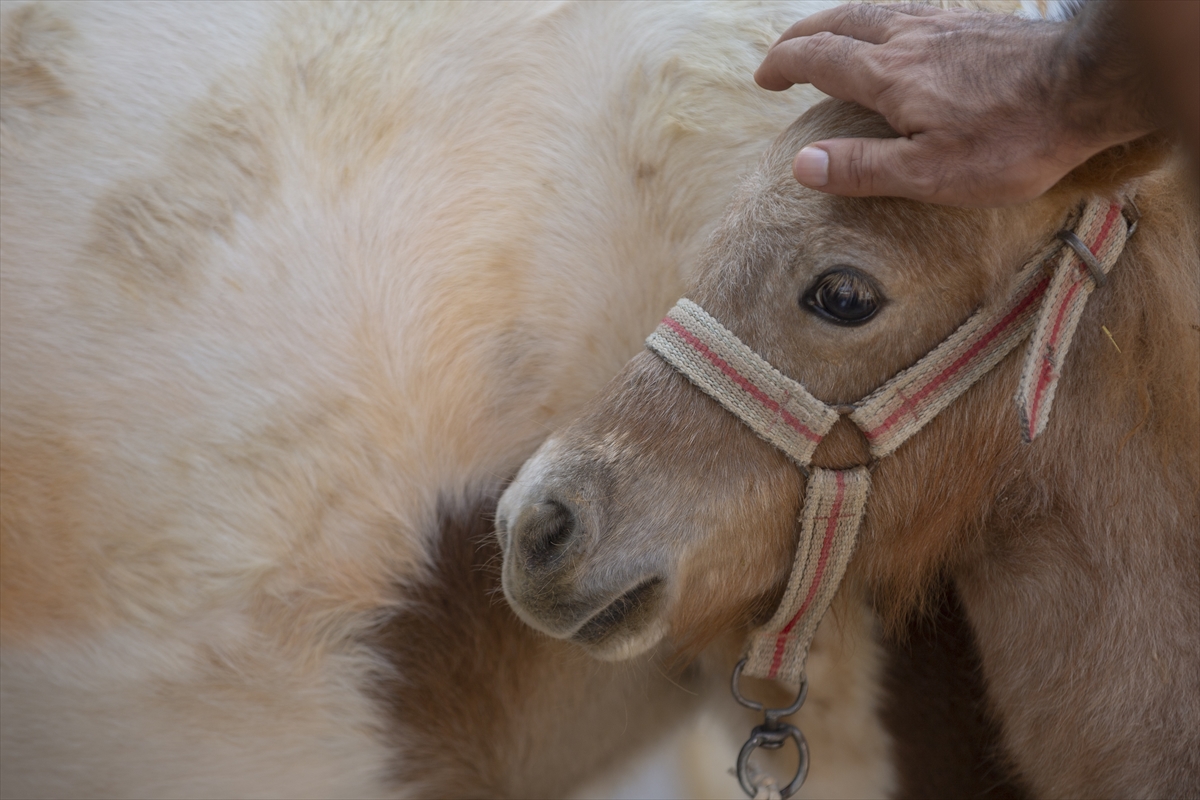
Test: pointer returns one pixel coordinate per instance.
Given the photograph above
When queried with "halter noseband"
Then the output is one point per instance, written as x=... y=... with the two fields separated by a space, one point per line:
x=781 y=411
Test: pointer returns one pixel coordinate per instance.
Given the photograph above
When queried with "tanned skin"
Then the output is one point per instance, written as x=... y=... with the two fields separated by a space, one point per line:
x=992 y=109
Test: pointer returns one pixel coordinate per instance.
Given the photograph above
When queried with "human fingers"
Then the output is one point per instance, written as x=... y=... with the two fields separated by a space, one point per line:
x=925 y=10
x=837 y=65
x=920 y=169
x=867 y=23
x=866 y=168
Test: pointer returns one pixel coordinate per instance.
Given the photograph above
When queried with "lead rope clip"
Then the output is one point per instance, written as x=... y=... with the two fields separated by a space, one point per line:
x=772 y=734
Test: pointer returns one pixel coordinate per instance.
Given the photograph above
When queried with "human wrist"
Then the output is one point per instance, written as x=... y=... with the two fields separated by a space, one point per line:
x=1099 y=91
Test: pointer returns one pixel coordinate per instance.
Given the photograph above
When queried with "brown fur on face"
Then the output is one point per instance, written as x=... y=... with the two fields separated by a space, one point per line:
x=1088 y=537
x=720 y=497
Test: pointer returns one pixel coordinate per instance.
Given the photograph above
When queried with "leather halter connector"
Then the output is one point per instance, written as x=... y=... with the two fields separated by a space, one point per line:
x=843 y=447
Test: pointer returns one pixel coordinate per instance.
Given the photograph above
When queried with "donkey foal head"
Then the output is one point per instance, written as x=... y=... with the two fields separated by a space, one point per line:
x=658 y=512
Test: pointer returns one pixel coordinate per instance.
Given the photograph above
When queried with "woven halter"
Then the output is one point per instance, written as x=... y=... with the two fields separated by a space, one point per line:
x=1048 y=300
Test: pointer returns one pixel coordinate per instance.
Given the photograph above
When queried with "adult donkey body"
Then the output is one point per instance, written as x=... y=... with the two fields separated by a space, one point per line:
x=289 y=291
x=1076 y=556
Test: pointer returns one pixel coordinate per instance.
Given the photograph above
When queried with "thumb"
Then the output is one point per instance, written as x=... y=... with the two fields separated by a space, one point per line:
x=865 y=168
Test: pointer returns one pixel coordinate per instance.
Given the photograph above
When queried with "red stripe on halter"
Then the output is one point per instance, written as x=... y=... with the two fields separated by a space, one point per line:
x=961 y=361
x=740 y=380
x=1044 y=375
x=830 y=530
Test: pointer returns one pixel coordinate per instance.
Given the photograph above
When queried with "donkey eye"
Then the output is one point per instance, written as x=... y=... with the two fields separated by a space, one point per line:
x=843 y=295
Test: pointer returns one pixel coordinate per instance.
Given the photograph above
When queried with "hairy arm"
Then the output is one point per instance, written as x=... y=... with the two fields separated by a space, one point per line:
x=991 y=109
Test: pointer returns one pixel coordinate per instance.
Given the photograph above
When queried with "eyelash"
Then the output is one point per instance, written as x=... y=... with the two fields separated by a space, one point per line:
x=850 y=282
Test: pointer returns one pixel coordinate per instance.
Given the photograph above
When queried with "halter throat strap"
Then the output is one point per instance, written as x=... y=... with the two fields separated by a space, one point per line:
x=1048 y=301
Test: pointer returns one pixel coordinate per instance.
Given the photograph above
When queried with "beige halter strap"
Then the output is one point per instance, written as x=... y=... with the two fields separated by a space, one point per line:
x=784 y=413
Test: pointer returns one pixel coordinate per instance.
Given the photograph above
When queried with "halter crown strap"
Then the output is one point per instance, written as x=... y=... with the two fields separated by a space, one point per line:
x=784 y=413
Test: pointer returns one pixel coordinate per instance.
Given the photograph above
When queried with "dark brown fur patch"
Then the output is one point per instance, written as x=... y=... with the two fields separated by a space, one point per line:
x=484 y=706
x=945 y=743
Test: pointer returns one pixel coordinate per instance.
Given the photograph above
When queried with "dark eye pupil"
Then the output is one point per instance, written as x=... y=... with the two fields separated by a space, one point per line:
x=842 y=296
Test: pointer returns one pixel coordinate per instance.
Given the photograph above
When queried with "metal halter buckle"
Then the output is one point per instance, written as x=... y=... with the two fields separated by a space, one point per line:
x=1085 y=255
x=772 y=735
x=1132 y=216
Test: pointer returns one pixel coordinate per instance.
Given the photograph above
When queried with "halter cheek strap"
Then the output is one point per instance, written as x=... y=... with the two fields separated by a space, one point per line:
x=1093 y=248
x=1046 y=302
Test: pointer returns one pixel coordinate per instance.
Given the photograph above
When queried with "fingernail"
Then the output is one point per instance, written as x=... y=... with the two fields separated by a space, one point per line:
x=812 y=167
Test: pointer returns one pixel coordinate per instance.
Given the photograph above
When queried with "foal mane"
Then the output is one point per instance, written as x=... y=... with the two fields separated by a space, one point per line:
x=1134 y=375
x=1158 y=316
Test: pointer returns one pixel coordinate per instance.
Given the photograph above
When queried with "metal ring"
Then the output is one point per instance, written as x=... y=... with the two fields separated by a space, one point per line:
x=762 y=736
x=1085 y=255
x=772 y=714
x=1132 y=218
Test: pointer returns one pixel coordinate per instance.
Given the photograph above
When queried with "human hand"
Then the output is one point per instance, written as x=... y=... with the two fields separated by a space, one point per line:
x=991 y=109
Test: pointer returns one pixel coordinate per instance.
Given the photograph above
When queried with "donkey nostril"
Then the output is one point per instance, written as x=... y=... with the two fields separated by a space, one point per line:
x=543 y=531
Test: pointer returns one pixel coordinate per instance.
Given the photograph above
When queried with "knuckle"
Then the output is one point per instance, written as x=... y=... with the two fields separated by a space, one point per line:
x=925 y=175
x=836 y=51
x=822 y=48
x=820 y=39
x=926 y=183
x=877 y=68
x=866 y=14
x=788 y=57
x=857 y=167
x=847 y=14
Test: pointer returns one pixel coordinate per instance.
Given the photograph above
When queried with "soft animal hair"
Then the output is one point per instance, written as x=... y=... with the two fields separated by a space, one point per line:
x=1074 y=556
x=1116 y=394
x=288 y=293
x=1153 y=301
